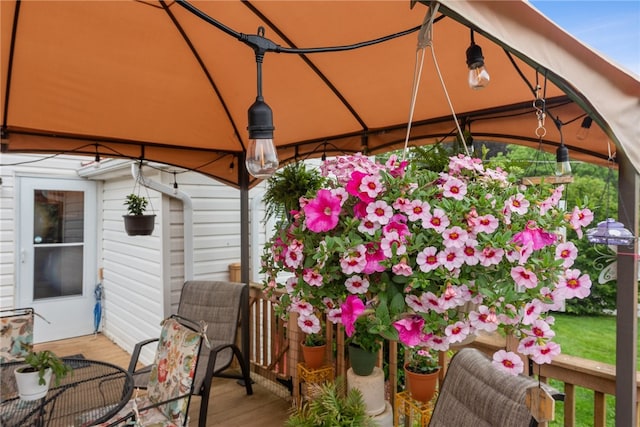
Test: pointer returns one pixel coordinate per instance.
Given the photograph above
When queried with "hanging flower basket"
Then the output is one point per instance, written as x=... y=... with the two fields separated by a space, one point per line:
x=408 y=248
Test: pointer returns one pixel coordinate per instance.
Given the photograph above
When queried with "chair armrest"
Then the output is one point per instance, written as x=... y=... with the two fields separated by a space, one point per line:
x=136 y=354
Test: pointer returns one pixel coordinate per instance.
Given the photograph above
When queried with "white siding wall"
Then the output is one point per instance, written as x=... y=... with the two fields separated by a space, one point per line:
x=133 y=278
x=216 y=230
x=12 y=165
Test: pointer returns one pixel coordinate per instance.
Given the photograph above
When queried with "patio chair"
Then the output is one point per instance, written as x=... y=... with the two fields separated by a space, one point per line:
x=16 y=333
x=476 y=394
x=218 y=304
x=170 y=380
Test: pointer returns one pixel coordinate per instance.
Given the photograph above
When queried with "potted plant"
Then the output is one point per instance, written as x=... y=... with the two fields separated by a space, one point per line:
x=34 y=378
x=331 y=406
x=315 y=344
x=421 y=372
x=363 y=338
x=136 y=223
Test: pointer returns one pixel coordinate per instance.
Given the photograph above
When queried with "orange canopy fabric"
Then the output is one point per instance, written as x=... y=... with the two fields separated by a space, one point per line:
x=150 y=79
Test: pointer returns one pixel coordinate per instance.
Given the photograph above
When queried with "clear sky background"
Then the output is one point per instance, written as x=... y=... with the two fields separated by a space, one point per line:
x=610 y=27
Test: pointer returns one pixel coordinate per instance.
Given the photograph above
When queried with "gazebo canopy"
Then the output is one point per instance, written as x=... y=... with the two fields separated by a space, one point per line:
x=150 y=79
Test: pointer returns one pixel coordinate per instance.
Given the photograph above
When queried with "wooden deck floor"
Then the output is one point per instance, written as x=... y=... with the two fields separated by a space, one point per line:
x=229 y=406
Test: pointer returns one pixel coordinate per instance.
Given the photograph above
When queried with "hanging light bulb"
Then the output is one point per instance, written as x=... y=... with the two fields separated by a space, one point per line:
x=478 y=75
x=583 y=132
x=563 y=167
x=262 y=158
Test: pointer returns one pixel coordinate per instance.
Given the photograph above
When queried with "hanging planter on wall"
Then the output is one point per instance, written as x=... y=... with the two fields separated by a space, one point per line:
x=136 y=223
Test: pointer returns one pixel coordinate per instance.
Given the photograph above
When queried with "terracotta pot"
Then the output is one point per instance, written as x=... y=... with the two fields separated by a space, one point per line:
x=314 y=356
x=362 y=361
x=422 y=387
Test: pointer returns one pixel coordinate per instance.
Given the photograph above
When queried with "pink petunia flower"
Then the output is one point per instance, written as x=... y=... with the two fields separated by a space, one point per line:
x=457 y=332
x=373 y=256
x=508 y=361
x=483 y=319
x=535 y=236
x=486 y=224
x=379 y=211
x=410 y=330
x=572 y=284
x=402 y=269
x=451 y=258
x=427 y=259
x=517 y=204
x=418 y=210
x=392 y=243
x=309 y=324
x=354 y=261
x=436 y=220
x=312 y=277
x=454 y=188
x=322 y=213
x=371 y=186
x=540 y=329
x=490 y=256
x=524 y=278
x=454 y=237
x=544 y=353
x=357 y=285
x=580 y=218
x=415 y=303
x=568 y=252
x=334 y=316
x=527 y=344
x=351 y=309
x=532 y=311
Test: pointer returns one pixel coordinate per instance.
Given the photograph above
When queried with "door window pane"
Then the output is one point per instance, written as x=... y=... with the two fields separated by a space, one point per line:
x=58 y=216
x=57 y=271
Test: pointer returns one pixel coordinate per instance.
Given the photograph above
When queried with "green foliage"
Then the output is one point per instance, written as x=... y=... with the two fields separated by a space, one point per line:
x=314 y=340
x=285 y=188
x=367 y=335
x=39 y=361
x=422 y=360
x=594 y=187
x=332 y=406
x=136 y=205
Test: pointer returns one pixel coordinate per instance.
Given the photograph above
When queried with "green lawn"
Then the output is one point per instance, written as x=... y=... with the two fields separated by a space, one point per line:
x=590 y=338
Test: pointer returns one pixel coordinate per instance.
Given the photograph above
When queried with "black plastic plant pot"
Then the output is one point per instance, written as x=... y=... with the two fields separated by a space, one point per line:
x=139 y=225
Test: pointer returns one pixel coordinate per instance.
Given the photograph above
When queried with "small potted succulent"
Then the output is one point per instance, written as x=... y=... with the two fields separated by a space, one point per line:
x=34 y=377
x=136 y=223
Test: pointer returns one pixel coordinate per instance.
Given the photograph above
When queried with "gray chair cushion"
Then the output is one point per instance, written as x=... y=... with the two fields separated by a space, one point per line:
x=475 y=394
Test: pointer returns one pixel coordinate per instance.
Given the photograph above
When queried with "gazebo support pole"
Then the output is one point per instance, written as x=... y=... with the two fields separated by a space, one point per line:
x=627 y=298
x=243 y=180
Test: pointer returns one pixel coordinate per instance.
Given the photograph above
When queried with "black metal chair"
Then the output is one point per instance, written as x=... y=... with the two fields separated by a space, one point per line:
x=219 y=305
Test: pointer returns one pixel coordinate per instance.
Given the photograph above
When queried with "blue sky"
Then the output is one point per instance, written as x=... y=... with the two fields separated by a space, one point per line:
x=610 y=27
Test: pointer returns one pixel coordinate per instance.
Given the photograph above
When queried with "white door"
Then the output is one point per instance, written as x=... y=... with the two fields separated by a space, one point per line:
x=57 y=259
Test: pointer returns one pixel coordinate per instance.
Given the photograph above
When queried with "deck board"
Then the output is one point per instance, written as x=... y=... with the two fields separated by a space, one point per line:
x=229 y=406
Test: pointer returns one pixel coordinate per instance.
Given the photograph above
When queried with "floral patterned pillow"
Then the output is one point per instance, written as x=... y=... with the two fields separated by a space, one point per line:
x=16 y=334
x=174 y=368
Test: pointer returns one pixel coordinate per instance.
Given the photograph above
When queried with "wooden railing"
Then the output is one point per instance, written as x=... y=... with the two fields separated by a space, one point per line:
x=275 y=355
